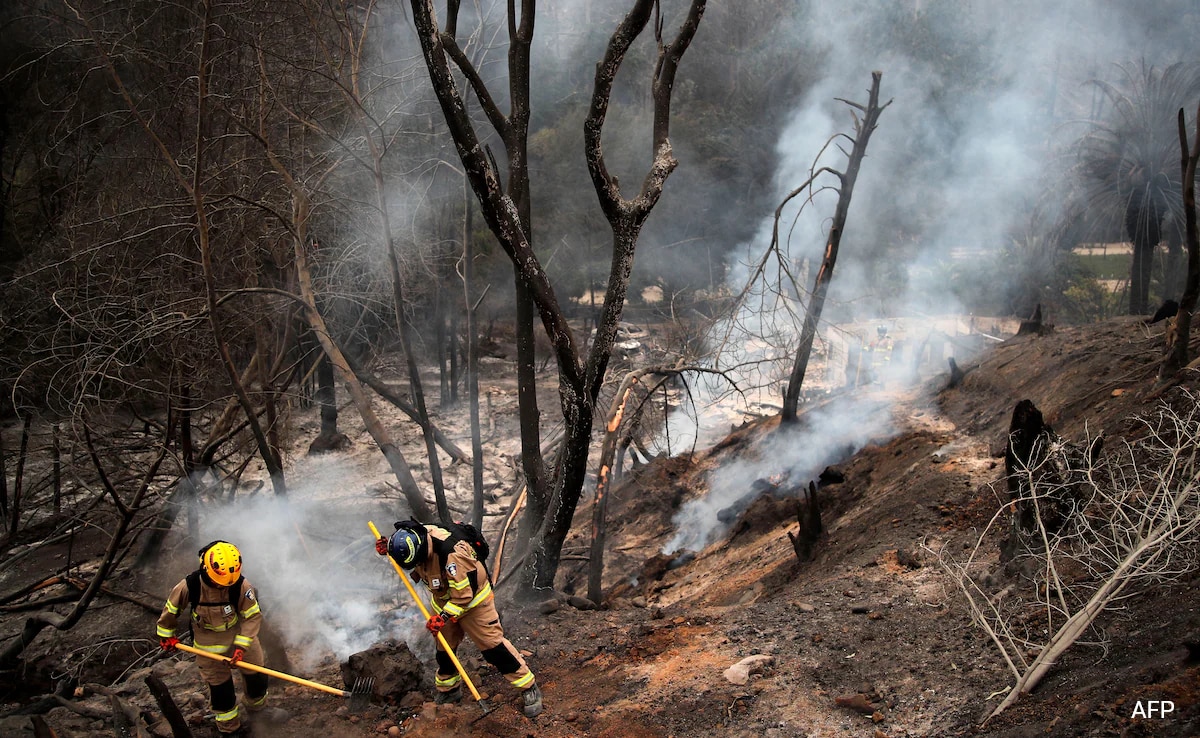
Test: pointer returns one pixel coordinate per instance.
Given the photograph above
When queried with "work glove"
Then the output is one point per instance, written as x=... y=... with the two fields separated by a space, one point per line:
x=169 y=644
x=381 y=546
x=437 y=621
x=238 y=654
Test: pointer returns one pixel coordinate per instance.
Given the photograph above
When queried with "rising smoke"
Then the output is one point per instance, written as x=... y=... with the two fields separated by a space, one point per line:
x=312 y=558
x=984 y=95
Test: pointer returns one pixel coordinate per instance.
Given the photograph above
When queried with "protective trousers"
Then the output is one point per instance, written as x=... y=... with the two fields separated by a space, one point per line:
x=482 y=625
x=219 y=677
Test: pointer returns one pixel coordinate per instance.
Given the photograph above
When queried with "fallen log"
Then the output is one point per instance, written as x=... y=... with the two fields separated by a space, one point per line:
x=55 y=600
x=26 y=591
x=154 y=607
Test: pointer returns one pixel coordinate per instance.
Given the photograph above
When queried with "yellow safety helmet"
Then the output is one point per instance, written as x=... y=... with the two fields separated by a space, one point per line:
x=221 y=562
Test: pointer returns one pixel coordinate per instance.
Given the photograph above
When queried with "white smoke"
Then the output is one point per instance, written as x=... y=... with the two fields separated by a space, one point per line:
x=985 y=159
x=831 y=432
x=311 y=557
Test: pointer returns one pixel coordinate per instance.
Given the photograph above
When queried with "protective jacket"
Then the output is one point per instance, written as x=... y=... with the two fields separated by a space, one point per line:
x=217 y=625
x=462 y=584
x=461 y=590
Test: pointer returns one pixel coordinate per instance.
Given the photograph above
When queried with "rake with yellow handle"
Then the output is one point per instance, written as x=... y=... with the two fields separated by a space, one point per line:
x=360 y=696
x=441 y=638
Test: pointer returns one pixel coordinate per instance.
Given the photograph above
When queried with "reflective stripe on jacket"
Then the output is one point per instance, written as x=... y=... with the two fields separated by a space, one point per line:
x=214 y=615
x=462 y=584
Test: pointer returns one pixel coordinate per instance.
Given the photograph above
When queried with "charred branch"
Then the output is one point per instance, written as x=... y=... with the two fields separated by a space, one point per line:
x=395 y=459
x=383 y=390
x=808 y=515
x=117 y=543
x=175 y=718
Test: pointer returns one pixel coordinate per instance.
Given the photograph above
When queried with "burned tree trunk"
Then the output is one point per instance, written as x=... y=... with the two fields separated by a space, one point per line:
x=175 y=718
x=185 y=495
x=862 y=135
x=1034 y=326
x=127 y=511
x=456 y=454
x=808 y=515
x=1047 y=477
x=1026 y=433
x=603 y=483
x=41 y=729
x=391 y=452
x=14 y=513
x=55 y=465
x=506 y=209
x=472 y=363
x=330 y=438
x=956 y=373
x=1177 y=356
x=3 y=477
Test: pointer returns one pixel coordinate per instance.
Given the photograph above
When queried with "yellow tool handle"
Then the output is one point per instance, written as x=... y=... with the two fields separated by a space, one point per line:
x=441 y=638
x=263 y=670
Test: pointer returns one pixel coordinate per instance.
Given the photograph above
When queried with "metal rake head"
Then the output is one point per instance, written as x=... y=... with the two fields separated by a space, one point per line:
x=360 y=694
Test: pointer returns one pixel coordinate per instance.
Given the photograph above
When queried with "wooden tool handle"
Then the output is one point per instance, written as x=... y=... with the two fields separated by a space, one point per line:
x=263 y=670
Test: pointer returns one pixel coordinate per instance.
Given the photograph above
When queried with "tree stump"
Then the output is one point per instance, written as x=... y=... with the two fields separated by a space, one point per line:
x=808 y=515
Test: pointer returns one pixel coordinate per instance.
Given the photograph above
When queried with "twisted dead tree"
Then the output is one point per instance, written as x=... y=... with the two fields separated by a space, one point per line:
x=506 y=208
x=189 y=174
x=395 y=458
x=606 y=466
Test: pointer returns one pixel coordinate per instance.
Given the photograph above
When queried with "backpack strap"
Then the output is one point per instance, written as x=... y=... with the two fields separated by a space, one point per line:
x=443 y=548
x=235 y=592
x=193 y=585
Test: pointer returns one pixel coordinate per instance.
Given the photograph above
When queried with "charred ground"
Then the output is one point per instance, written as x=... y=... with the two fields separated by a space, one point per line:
x=869 y=638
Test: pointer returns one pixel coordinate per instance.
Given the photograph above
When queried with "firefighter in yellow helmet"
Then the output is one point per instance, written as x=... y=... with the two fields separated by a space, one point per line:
x=225 y=619
x=463 y=604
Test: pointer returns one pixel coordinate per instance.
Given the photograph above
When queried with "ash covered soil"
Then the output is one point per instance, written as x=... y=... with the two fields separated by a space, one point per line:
x=868 y=638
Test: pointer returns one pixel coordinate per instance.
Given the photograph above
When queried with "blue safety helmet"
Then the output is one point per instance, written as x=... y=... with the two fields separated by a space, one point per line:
x=407 y=545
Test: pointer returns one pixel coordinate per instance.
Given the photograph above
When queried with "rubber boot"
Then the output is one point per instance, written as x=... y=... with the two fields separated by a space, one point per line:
x=533 y=701
x=450 y=697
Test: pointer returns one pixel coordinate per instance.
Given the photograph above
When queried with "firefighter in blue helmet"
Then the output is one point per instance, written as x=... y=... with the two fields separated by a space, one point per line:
x=462 y=605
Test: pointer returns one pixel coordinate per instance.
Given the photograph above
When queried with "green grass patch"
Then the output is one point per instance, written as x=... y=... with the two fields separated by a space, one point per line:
x=1107 y=266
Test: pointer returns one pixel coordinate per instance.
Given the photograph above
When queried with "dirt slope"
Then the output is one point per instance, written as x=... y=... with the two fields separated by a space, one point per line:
x=870 y=615
x=867 y=639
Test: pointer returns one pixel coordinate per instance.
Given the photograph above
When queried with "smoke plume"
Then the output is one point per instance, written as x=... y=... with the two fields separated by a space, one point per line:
x=966 y=156
x=312 y=559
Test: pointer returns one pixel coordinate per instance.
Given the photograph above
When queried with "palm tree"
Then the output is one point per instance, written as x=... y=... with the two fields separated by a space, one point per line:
x=1129 y=162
